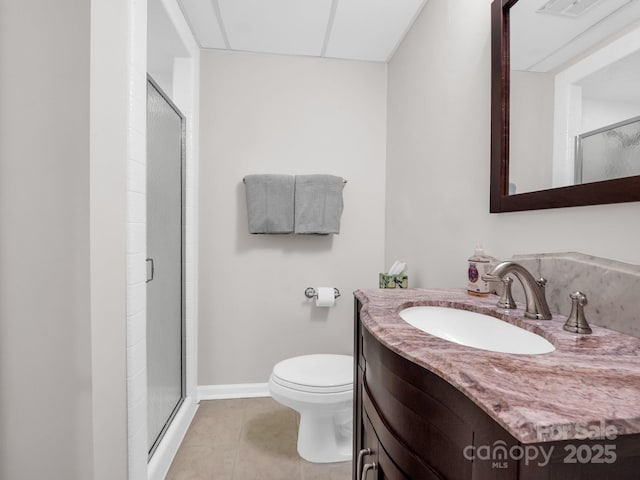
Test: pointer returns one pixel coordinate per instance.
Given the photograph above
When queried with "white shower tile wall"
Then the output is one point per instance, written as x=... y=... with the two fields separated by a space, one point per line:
x=136 y=180
x=136 y=242
x=185 y=95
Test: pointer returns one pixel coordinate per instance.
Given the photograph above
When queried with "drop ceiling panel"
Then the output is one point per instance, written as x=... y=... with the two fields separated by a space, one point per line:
x=541 y=42
x=291 y=27
x=370 y=29
x=203 y=19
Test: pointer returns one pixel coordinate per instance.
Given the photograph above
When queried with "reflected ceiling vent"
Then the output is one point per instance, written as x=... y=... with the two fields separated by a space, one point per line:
x=567 y=8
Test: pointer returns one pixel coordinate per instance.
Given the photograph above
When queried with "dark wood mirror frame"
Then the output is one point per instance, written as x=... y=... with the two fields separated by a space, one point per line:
x=596 y=193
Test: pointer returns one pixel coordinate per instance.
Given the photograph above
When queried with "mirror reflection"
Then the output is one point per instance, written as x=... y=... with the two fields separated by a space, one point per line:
x=574 y=92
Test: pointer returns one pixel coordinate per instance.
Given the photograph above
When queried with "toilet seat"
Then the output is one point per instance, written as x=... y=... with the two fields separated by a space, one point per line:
x=320 y=373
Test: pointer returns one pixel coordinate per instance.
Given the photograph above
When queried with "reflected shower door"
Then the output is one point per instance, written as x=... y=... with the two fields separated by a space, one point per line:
x=165 y=313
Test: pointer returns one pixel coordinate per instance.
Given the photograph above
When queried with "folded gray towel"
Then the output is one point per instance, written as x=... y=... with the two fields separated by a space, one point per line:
x=318 y=204
x=270 y=203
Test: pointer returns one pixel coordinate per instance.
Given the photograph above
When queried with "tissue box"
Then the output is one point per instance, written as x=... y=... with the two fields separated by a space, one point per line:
x=393 y=281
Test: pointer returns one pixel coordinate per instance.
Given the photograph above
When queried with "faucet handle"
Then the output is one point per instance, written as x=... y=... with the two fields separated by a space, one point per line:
x=577 y=322
x=506 y=299
x=580 y=297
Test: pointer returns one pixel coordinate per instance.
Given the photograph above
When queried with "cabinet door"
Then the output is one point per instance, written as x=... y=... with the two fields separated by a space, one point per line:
x=364 y=461
x=384 y=468
x=387 y=470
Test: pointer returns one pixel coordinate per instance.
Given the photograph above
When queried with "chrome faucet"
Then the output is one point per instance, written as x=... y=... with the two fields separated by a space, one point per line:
x=537 y=306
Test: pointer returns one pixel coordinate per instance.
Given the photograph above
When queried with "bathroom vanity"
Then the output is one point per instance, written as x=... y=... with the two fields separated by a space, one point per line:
x=427 y=408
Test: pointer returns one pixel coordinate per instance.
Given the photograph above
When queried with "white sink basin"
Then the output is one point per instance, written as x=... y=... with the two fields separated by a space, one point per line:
x=475 y=330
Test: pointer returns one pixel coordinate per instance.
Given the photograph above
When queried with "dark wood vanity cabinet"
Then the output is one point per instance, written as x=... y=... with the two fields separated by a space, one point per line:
x=419 y=427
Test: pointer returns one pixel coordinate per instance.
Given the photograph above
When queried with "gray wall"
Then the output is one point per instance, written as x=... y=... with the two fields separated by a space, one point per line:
x=63 y=151
x=292 y=115
x=531 y=99
x=45 y=354
x=114 y=99
x=438 y=161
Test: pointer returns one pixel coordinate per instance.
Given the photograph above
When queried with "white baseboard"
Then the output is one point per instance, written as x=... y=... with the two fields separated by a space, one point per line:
x=237 y=390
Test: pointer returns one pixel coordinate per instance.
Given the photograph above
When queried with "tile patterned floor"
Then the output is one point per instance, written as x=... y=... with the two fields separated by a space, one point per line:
x=247 y=439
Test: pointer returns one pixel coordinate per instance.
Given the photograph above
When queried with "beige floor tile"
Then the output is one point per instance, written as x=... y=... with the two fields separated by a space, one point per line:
x=247 y=439
x=216 y=425
x=268 y=443
x=326 y=471
x=220 y=407
x=267 y=470
x=271 y=432
x=203 y=463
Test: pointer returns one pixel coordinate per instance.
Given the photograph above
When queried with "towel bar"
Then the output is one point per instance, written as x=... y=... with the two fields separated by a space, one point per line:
x=343 y=181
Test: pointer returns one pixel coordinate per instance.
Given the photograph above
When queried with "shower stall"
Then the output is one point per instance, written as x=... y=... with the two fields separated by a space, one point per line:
x=165 y=263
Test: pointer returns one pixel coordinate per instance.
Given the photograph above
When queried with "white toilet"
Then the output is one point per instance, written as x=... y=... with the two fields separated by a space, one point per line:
x=320 y=388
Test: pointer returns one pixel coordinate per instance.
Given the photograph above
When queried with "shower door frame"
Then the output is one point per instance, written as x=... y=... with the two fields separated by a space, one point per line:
x=183 y=202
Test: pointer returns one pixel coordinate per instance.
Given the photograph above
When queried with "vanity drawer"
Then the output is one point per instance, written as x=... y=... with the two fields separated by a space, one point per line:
x=396 y=460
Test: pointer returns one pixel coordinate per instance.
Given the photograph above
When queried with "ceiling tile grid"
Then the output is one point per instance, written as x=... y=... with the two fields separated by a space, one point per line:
x=367 y=30
x=290 y=27
x=203 y=20
x=370 y=29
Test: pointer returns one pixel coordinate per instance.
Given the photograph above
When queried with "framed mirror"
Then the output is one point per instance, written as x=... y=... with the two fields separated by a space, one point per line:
x=565 y=126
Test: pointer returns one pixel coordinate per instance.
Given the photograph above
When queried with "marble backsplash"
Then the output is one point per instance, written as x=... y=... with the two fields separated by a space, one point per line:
x=612 y=287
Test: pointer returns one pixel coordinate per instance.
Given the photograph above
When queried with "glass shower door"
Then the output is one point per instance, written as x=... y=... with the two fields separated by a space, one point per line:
x=165 y=311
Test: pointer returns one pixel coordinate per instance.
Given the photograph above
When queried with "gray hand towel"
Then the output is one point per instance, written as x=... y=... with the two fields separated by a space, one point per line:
x=270 y=203
x=318 y=204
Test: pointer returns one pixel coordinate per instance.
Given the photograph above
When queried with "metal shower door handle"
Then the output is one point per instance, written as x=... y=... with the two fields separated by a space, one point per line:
x=150 y=271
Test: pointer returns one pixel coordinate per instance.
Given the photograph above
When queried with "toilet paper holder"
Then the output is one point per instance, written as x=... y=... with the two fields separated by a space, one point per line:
x=311 y=292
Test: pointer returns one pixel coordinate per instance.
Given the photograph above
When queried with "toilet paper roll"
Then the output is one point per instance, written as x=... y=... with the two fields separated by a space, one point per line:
x=326 y=297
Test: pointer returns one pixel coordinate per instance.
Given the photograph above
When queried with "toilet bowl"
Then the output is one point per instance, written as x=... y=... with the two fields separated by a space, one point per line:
x=320 y=388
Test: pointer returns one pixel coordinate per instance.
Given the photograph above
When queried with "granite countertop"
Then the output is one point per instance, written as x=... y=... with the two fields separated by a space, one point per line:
x=589 y=386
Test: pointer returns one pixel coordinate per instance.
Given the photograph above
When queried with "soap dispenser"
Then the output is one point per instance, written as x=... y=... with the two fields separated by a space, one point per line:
x=479 y=264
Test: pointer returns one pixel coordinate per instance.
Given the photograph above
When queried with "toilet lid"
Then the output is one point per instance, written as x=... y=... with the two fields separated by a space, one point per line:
x=323 y=371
